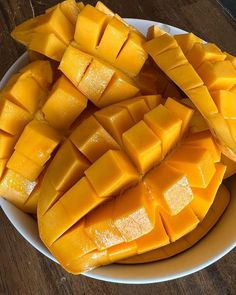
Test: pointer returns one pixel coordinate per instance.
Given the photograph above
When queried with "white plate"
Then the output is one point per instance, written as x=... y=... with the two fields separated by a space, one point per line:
x=215 y=245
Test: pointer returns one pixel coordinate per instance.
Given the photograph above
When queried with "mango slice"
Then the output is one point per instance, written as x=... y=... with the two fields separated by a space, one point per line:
x=156 y=238
x=37 y=142
x=187 y=41
x=230 y=166
x=225 y=101
x=73 y=244
x=196 y=163
x=181 y=111
x=152 y=100
x=121 y=251
x=203 y=198
x=92 y=140
x=64 y=96
x=115 y=120
x=143 y=146
x=172 y=194
x=7 y=142
x=160 y=44
x=30 y=206
x=180 y=224
x=67 y=167
x=118 y=173
x=3 y=163
x=137 y=217
x=100 y=227
x=231 y=58
x=12 y=118
x=165 y=125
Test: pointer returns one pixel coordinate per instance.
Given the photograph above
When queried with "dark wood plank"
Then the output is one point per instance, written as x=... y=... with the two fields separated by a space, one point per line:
x=22 y=269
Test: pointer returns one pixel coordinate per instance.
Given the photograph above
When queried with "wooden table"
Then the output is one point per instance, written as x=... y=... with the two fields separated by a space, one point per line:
x=23 y=270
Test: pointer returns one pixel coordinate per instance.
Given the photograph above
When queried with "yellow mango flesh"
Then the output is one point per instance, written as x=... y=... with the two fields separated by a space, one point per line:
x=30 y=206
x=64 y=102
x=25 y=92
x=230 y=166
x=117 y=31
x=202 y=52
x=24 y=166
x=231 y=58
x=166 y=126
x=118 y=173
x=196 y=163
x=73 y=244
x=172 y=194
x=3 y=163
x=152 y=100
x=47 y=44
x=204 y=140
x=89 y=27
x=225 y=101
x=218 y=75
x=204 y=198
x=37 y=142
x=180 y=224
x=7 y=142
x=74 y=63
x=115 y=120
x=156 y=238
x=136 y=107
x=121 y=251
x=137 y=217
x=187 y=41
x=12 y=118
x=143 y=146
x=154 y=32
x=181 y=111
x=100 y=227
x=16 y=188
x=160 y=44
x=92 y=140
x=67 y=167
x=95 y=80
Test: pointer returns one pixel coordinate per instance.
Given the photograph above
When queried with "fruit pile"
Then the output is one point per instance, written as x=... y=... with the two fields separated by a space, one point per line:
x=118 y=153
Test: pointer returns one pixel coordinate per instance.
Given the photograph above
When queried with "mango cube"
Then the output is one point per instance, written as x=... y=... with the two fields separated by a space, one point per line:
x=71 y=10
x=30 y=206
x=12 y=118
x=152 y=100
x=3 y=163
x=25 y=92
x=132 y=56
x=165 y=125
x=160 y=44
x=122 y=251
x=64 y=102
x=156 y=238
x=154 y=32
x=202 y=52
x=218 y=75
x=74 y=64
x=120 y=83
x=47 y=44
x=185 y=77
x=37 y=142
x=73 y=244
x=179 y=225
x=100 y=227
x=187 y=41
x=89 y=27
x=16 y=188
x=136 y=107
x=170 y=59
x=196 y=163
x=115 y=120
x=92 y=140
x=7 y=143
x=172 y=193
x=116 y=31
x=136 y=218
x=203 y=198
x=204 y=140
x=202 y=99
x=143 y=146
x=67 y=167
x=118 y=173
x=24 y=166
x=181 y=111
x=231 y=58
x=225 y=101
x=95 y=80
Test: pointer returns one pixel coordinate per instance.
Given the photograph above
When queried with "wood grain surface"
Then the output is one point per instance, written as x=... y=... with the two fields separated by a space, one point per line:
x=25 y=271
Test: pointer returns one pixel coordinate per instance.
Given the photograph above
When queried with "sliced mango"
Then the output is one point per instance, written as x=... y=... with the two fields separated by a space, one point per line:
x=230 y=166
x=152 y=100
x=3 y=163
x=187 y=41
x=122 y=251
x=92 y=140
x=225 y=101
x=7 y=142
x=172 y=193
x=160 y=44
x=118 y=173
x=143 y=146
